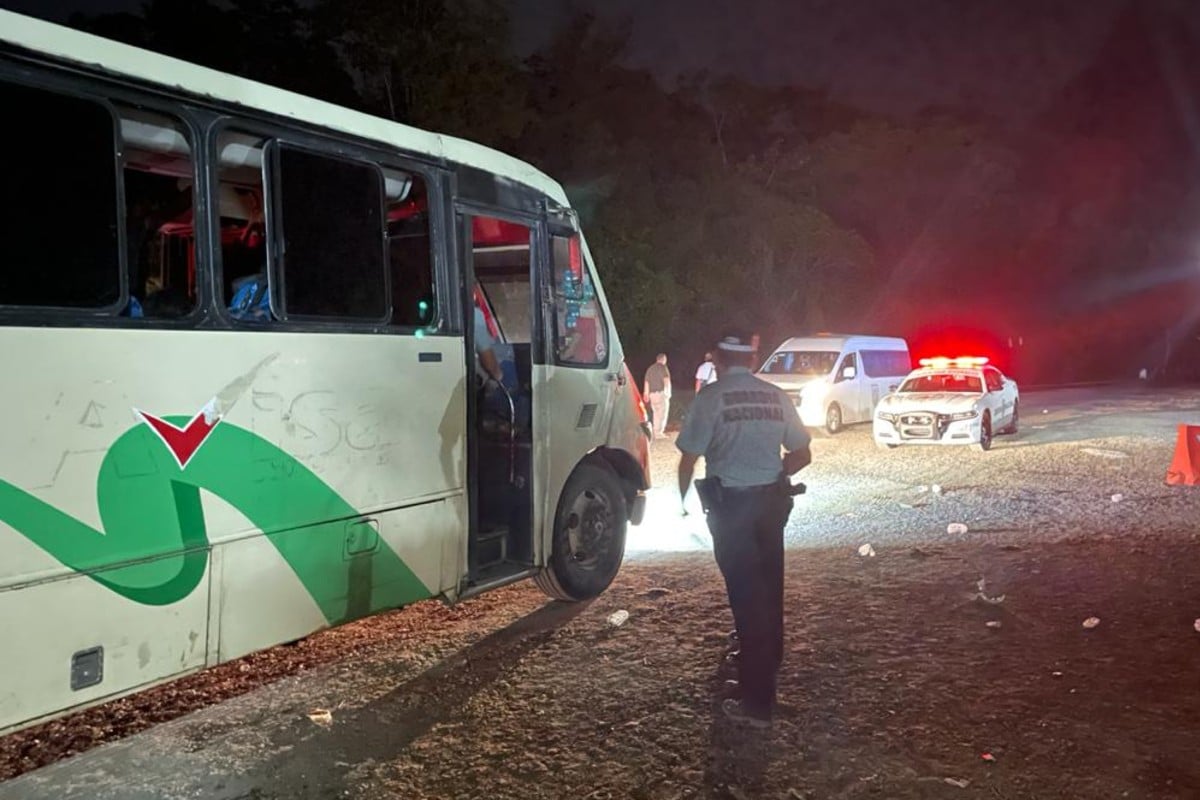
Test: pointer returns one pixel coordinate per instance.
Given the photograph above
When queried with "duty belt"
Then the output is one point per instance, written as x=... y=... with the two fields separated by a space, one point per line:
x=766 y=487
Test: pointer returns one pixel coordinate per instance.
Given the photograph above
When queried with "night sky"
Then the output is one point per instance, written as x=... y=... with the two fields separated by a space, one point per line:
x=1007 y=57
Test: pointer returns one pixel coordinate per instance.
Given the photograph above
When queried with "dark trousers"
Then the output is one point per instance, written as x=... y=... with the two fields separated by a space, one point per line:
x=747 y=530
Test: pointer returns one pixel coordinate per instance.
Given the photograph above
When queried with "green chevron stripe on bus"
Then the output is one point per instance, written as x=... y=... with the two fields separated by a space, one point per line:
x=153 y=523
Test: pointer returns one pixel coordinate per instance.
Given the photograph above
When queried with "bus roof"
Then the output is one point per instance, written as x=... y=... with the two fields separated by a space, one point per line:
x=85 y=49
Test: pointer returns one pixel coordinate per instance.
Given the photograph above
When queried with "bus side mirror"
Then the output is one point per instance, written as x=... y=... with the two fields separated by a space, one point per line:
x=848 y=373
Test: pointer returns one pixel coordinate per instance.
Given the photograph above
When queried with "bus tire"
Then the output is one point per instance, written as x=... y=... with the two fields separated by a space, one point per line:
x=589 y=535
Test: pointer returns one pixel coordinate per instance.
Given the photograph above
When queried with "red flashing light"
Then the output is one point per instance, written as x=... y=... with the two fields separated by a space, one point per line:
x=962 y=362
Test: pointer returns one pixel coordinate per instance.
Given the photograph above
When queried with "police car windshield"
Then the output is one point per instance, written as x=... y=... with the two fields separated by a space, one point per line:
x=800 y=362
x=944 y=382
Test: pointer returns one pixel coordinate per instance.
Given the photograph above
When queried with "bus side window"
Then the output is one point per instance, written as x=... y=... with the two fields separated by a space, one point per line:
x=245 y=290
x=160 y=240
x=581 y=333
x=58 y=233
x=410 y=259
x=330 y=214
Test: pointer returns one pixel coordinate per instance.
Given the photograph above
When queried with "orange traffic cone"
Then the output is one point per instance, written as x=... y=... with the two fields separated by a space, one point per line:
x=1185 y=467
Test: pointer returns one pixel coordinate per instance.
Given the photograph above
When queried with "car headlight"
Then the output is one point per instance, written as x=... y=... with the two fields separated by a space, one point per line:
x=962 y=415
x=886 y=417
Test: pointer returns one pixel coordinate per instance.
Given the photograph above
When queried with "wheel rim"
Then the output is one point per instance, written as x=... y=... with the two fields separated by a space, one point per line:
x=833 y=418
x=589 y=528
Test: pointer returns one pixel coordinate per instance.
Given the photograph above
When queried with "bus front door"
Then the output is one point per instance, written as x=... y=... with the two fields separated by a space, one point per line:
x=500 y=454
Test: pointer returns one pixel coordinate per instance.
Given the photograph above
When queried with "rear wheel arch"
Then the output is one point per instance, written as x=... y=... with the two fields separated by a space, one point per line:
x=1014 y=419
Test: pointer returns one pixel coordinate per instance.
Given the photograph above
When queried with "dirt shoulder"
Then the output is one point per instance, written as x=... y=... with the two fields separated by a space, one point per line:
x=895 y=686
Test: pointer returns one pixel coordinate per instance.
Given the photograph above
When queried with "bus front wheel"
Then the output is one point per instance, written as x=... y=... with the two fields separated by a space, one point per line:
x=589 y=535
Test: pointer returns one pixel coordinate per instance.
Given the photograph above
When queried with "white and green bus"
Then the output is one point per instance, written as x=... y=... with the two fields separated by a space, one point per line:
x=240 y=394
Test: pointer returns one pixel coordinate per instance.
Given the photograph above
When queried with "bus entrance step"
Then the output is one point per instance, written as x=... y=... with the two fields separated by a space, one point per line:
x=491 y=547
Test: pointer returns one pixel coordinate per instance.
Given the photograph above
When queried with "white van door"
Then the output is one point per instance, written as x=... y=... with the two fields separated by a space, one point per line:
x=850 y=389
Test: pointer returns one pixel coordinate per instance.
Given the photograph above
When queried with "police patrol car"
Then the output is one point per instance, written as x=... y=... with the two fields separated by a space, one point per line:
x=949 y=401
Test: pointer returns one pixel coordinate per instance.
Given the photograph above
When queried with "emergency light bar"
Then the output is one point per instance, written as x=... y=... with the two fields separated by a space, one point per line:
x=962 y=361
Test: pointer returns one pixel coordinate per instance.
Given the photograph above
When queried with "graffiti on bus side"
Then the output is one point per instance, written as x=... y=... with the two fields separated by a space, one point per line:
x=319 y=422
x=152 y=521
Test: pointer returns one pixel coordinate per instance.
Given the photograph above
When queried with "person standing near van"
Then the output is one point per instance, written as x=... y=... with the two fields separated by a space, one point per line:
x=741 y=425
x=657 y=389
x=706 y=373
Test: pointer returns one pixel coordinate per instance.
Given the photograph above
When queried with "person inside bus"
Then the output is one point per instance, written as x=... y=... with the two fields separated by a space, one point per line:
x=485 y=348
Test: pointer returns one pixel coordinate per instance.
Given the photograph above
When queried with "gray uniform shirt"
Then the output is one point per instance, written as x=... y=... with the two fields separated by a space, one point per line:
x=739 y=425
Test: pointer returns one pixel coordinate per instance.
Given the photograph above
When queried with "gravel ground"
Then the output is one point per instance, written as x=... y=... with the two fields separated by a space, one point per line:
x=1053 y=480
x=898 y=682
x=904 y=670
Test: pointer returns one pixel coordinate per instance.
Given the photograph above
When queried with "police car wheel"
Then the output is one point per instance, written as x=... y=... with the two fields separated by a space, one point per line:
x=833 y=418
x=985 y=432
x=589 y=535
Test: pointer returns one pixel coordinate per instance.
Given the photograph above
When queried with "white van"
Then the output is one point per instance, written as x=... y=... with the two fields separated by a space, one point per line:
x=837 y=379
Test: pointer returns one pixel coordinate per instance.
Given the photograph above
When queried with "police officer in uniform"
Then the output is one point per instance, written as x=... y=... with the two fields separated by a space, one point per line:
x=742 y=425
